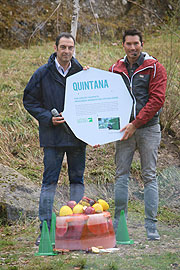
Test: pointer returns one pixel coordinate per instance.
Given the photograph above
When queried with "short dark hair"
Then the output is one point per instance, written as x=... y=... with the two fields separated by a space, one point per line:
x=132 y=32
x=66 y=35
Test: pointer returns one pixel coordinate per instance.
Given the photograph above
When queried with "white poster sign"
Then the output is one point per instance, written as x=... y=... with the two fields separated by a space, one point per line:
x=97 y=105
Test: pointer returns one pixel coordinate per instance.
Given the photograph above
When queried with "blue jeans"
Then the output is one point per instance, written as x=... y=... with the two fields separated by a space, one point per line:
x=53 y=157
x=147 y=141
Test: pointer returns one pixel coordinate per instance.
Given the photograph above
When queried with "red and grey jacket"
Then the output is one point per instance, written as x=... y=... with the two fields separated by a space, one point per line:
x=147 y=87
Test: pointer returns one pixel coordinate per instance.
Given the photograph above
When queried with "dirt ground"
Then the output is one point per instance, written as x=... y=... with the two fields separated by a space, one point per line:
x=169 y=241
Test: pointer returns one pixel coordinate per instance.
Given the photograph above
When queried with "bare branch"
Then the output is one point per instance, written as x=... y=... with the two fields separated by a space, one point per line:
x=97 y=25
x=41 y=25
x=57 y=22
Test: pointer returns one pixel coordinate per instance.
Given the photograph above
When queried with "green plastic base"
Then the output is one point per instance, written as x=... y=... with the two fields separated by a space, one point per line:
x=45 y=246
x=130 y=242
x=45 y=254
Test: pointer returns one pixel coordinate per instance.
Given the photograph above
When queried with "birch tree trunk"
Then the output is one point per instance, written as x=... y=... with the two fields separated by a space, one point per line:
x=75 y=16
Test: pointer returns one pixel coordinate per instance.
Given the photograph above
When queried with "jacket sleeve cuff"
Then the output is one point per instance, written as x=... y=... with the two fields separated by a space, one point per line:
x=137 y=123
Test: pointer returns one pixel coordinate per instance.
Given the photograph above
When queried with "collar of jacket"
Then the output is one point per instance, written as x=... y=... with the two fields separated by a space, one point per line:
x=120 y=67
x=138 y=62
x=75 y=65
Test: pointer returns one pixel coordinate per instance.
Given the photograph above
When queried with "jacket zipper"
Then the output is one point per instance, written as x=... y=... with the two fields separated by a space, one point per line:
x=130 y=84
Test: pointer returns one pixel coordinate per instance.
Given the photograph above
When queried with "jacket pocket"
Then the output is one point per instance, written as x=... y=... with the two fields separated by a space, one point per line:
x=141 y=81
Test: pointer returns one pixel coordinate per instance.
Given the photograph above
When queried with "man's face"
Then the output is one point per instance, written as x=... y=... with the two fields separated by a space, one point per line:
x=132 y=47
x=65 y=50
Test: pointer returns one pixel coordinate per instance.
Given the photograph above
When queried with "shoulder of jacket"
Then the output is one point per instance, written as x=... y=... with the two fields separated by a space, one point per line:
x=75 y=62
x=119 y=63
x=149 y=60
x=40 y=72
x=41 y=68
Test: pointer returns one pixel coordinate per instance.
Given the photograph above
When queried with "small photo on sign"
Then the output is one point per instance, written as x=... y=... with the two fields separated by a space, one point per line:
x=110 y=123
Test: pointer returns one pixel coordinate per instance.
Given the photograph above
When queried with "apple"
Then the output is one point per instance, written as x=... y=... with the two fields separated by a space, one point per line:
x=89 y=210
x=71 y=204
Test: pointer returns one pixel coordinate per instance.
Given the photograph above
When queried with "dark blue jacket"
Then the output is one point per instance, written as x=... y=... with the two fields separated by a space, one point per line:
x=45 y=91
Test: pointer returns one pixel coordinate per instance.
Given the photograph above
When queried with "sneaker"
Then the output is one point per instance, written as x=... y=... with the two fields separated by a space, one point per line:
x=152 y=233
x=38 y=240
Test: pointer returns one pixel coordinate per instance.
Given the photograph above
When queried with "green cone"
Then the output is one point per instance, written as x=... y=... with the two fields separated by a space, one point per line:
x=53 y=229
x=45 y=246
x=122 y=235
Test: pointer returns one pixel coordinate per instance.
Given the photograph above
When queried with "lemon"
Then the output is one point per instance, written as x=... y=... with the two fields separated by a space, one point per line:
x=95 y=250
x=98 y=208
x=65 y=211
x=78 y=209
x=104 y=204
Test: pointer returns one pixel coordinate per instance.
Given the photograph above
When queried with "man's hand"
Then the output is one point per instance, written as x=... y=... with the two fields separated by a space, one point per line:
x=129 y=130
x=57 y=120
x=86 y=68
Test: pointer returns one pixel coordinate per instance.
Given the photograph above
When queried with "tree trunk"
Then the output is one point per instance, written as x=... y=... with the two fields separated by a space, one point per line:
x=75 y=16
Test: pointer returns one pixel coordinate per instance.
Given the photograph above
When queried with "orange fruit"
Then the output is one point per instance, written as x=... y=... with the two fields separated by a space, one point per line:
x=97 y=224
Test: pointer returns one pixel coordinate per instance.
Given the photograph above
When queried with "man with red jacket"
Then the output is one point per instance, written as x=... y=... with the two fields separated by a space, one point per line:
x=146 y=80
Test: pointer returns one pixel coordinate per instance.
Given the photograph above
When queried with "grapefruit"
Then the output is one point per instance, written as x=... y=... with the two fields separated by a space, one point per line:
x=98 y=207
x=78 y=209
x=65 y=211
x=104 y=204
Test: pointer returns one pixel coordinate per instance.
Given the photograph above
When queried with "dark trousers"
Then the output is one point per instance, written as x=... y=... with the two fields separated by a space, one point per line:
x=53 y=157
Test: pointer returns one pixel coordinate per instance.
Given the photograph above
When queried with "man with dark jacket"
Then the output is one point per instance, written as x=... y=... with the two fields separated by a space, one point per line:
x=145 y=79
x=44 y=92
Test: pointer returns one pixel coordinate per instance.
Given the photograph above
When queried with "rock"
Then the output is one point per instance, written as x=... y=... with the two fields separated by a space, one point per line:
x=29 y=22
x=169 y=192
x=19 y=197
